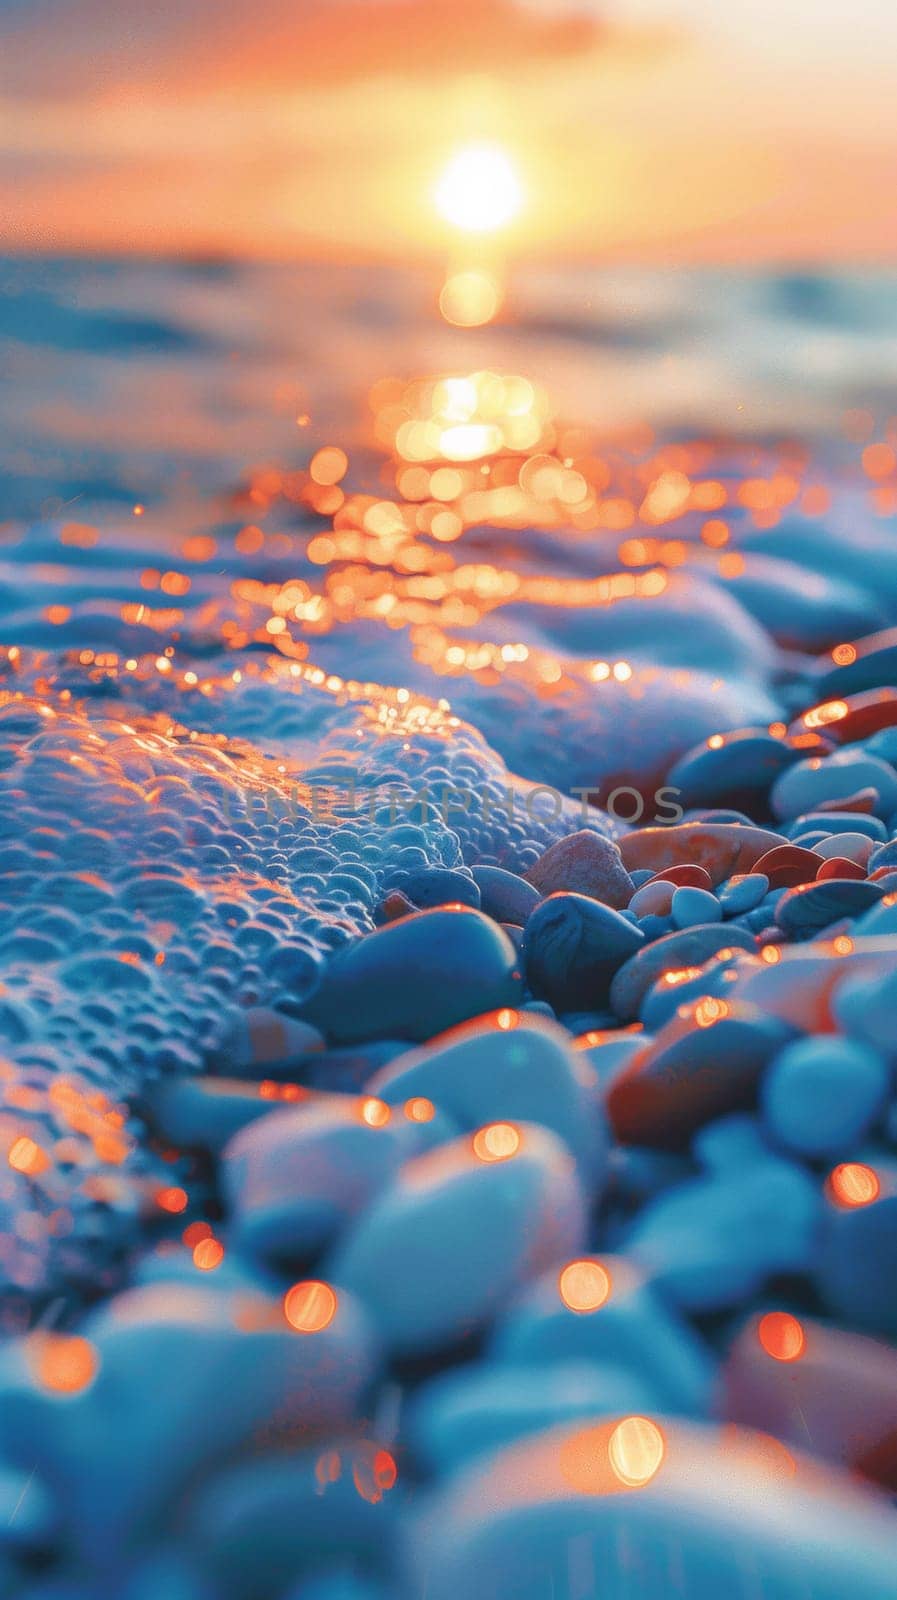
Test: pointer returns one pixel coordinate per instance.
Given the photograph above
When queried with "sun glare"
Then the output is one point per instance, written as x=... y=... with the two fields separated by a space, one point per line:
x=479 y=190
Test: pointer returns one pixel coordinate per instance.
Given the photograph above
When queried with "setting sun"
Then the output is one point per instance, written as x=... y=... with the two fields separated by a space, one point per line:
x=479 y=189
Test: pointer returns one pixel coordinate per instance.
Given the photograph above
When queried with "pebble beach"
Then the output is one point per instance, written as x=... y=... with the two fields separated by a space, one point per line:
x=448 y=962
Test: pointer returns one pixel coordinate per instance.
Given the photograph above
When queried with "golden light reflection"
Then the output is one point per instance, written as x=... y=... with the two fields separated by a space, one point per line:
x=469 y=299
x=479 y=190
x=376 y=1113
x=310 y=1307
x=781 y=1336
x=420 y=1109
x=498 y=1142
x=64 y=1363
x=584 y=1286
x=635 y=1451
x=853 y=1184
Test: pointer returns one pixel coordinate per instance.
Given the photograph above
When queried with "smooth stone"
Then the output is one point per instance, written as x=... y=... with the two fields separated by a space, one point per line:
x=801 y=913
x=293 y=1180
x=215 y=1371
x=638 y=1174
x=29 y=1518
x=604 y=1508
x=510 y=1066
x=801 y=983
x=687 y=877
x=584 y=863
x=504 y=896
x=882 y=918
x=621 y=1320
x=857 y=1265
x=607 y=1059
x=838 y=1398
x=729 y=1143
x=714 y=980
x=788 y=865
x=853 y=717
x=864 y=801
x=820 y=1096
x=463 y=1414
x=711 y=1243
x=883 y=743
x=654 y=899
x=734 y=769
x=811 y=840
x=415 y=978
x=426 y=887
x=347 y=1070
x=884 y=856
x=720 y=848
x=691 y=947
x=204 y=1113
x=439 y=1253
x=573 y=945
x=865 y=1007
x=840 y=867
x=742 y=893
x=834 y=822
x=260 y=1038
x=804 y=785
x=700 y=1066
x=693 y=908
x=261 y=1524
x=393 y=907
x=874 y=666
x=654 y=927
x=641 y=876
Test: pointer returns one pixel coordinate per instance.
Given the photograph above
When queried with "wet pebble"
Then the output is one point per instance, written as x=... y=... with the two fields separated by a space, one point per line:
x=584 y=863
x=693 y=908
x=573 y=945
x=415 y=978
x=698 y=1067
x=438 y=1254
x=673 y=952
x=510 y=1066
x=820 y=1096
x=504 y=896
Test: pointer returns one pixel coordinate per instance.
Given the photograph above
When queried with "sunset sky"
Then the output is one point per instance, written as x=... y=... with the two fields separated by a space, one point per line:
x=708 y=130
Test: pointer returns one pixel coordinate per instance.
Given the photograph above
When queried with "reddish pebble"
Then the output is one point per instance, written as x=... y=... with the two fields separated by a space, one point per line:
x=788 y=865
x=839 y=867
x=394 y=906
x=855 y=717
x=688 y=876
x=864 y=801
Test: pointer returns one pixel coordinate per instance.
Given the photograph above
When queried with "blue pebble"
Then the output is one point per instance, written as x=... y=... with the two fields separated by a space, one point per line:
x=857 y=1266
x=885 y=857
x=641 y=875
x=821 y=1095
x=829 y=822
x=836 y=778
x=654 y=927
x=436 y=886
x=693 y=908
x=573 y=947
x=806 y=910
x=882 y=744
x=743 y=895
